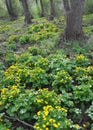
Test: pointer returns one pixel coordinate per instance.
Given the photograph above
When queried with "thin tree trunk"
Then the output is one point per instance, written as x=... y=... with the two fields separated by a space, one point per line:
x=42 y=8
x=26 y=11
x=36 y=1
x=38 y=7
x=10 y=10
x=52 y=10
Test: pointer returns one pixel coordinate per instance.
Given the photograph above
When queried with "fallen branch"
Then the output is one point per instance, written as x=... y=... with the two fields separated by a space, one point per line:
x=17 y=119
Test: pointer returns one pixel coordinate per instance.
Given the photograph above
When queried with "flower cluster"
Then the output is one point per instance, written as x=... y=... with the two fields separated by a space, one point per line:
x=54 y=87
x=4 y=28
x=8 y=93
x=12 y=38
x=62 y=80
x=82 y=60
x=52 y=118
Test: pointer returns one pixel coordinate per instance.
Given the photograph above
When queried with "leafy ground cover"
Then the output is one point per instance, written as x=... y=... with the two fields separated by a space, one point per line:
x=55 y=92
x=41 y=86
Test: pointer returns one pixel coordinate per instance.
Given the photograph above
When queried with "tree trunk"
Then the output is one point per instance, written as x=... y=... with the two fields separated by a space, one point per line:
x=36 y=1
x=74 y=12
x=38 y=8
x=52 y=10
x=26 y=11
x=10 y=10
x=42 y=8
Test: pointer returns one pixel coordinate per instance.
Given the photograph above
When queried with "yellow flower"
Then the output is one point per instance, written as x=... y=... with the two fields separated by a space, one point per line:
x=47 y=107
x=84 y=125
x=3 y=97
x=4 y=90
x=11 y=96
x=46 y=128
x=1 y=119
x=76 y=126
x=39 y=113
x=39 y=100
x=80 y=56
x=14 y=87
x=47 y=123
x=55 y=125
x=51 y=120
x=46 y=102
x=46 y=113
x=12 y=92
x=17 y=91
x=5 y=72
x=58 y=124
x=0 y=103
x=12 y=66
x=63 y=109
x=43 y=125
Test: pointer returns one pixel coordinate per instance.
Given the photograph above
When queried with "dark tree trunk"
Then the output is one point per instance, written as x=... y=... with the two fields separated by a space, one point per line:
x=38 y=8
x=74 y=12
x=42 y=8
x=52 y=10
x=10 y=10
x=26 y=11
x=66 y=5
x=36 y=1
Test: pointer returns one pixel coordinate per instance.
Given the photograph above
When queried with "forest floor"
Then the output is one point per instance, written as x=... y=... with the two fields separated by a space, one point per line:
x=40 y=77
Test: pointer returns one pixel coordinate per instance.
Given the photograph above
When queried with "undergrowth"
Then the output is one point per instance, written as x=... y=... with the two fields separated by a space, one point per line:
x=44 y=86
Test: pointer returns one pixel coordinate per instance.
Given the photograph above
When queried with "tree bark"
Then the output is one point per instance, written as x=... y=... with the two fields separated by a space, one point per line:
x=38 y=8
x=36 y=1
x=10 y=10
x=42 y=8
x=52 y=10
x=66 y=5
x=26 y=11
x=74 y=12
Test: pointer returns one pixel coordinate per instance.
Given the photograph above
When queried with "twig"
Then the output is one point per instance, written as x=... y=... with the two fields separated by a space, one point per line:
x=15 y=118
